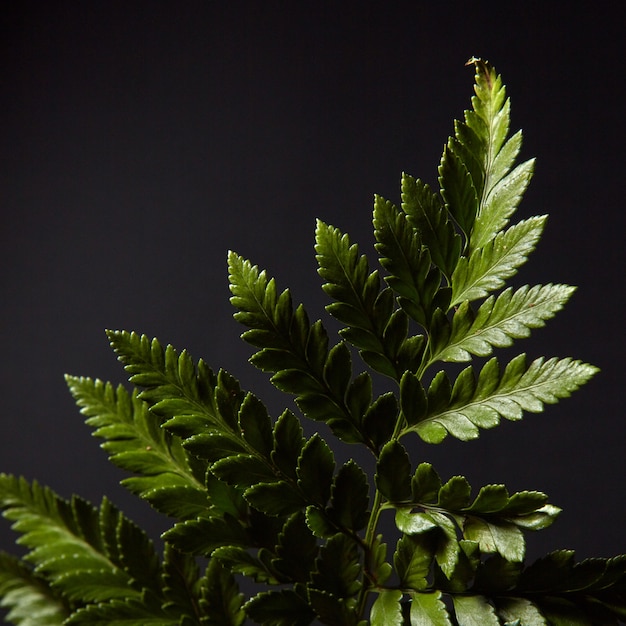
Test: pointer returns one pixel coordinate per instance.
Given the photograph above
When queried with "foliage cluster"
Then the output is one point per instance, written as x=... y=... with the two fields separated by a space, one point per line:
x=251 y=497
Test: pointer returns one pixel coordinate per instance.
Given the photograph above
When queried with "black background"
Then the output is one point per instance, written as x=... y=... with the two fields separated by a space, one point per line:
x=142 y=140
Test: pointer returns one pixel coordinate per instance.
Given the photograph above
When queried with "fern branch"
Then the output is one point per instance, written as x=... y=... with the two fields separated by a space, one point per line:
x=297 y=352
x=487 y=268
x=497 y=322
x=169 y=478
x=97 y=542
x=474 y=403
x=29 y=597
x=174 y=386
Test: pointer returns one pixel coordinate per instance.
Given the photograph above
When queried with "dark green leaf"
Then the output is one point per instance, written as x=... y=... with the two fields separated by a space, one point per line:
x=428 y=609
x=296 y=549
x=427 y=214
x=221 y=602
x=280 y=608
x=275 y=498
x=387 y=610
x=474 y=611
x=338 y=567
x=315 y=470
x=412 y=560
x=393 y=473
x=349 y=497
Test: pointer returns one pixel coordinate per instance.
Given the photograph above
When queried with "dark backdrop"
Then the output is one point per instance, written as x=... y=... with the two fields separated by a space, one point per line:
x=142 y=140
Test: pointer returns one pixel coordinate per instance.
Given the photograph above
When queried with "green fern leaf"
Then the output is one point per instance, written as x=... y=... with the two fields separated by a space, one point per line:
x=387 y=610
x=458 y=189
x=180 y=582
x=500 y=203
x=479 y=159
x=238 y=560
x=479 y=403
x=504 y=538
x=487 y=268
x=393 y=472
x=349 y=498
x=511 y=609
x=332 y=610
x=30 y=599
x=296 y=550
x=173 y=385
x=562 y=591
x=170 y=479
x=202 y=536
x=411 y=274
x=280 y=608
x=359 y=302
x=474 y=611
x=293 y=349
x=146 y=611
x=221 y=601
x=315 y=470
x=467 y=163
x=412 y=560
x=498 y=321
x=338 y=567
x=56 y=530
x=428 y=609
x=426 y=213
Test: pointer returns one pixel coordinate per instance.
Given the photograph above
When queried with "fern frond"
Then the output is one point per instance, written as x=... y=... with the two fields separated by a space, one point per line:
x=173 y=384
x=56 y=530
x=295 y=351
x=411 y=275
x=428 y=609
x=168 y=477
x=498 y=321
x=373 y=324
x=85 y=554
x=29 y=598
x=480 y=402
x=487 y=268
x=494 y=521
x=181 y=582
x=221 y=602
x=427 y=214
x=143 y=611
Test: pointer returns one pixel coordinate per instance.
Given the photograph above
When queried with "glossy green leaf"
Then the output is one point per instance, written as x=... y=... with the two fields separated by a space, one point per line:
x=474 y=611
x=315 y=470
x=412 y=560
x=349 y=499
x=511 y=609
x=428 y=609
x=393 y=473
x=487 y=268
x=386 y=610
x=238 y=560
x=221 y=601
x=169 y=478
x=479 y=403
x=338 y=567
x=130 y=612
x=279 y=608
x=296 y=549
x=506 y=539
x=29 y=598
x=253 y=497
x=51 y=528
x=426 y=213
x=498 y=321
x=425 y=484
